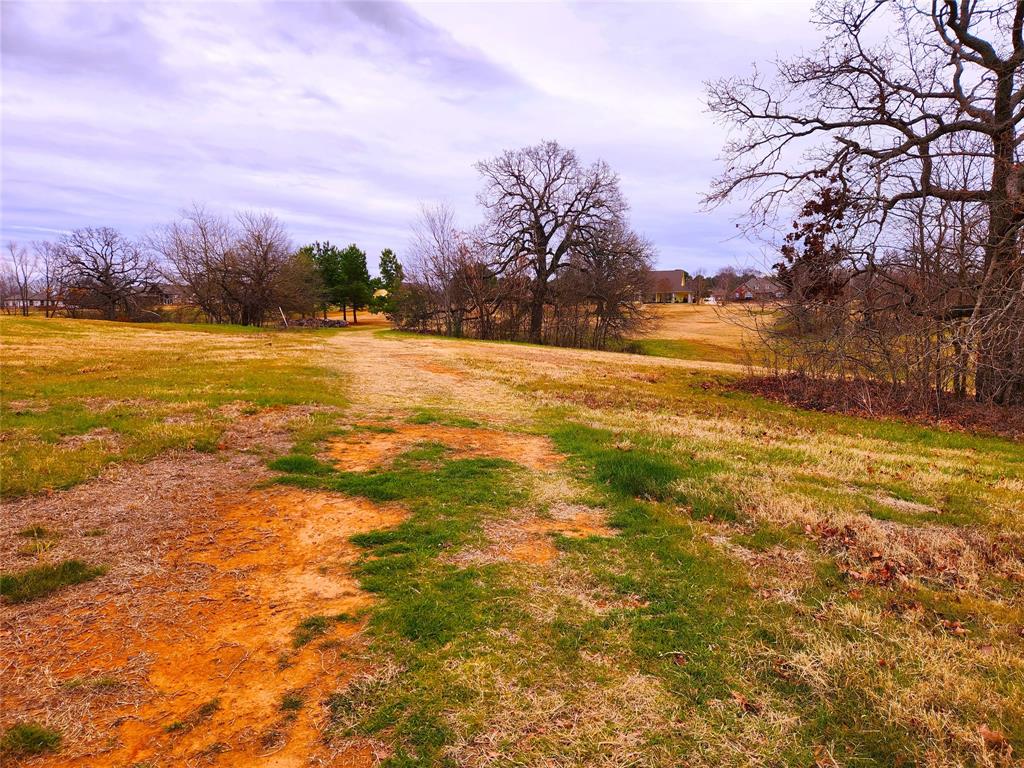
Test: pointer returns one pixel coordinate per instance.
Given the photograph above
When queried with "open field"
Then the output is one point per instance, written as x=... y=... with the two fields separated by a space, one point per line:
x=353 y=547
x=697 y=332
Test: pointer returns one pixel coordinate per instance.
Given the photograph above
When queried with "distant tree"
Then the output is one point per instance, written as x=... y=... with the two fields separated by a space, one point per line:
x=541 y=203
x=725 y=280
x=50 y=276
x=21 y=266
x=104 y=270
x=262 y=256
x=300 y=287
x=327 y=260
x=615 y=267
x=239 y=271
x=389 y=280
x=355 y=280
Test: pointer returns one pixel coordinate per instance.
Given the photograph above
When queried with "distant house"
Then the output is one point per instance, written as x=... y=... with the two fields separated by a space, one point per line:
x=36 y=299
x=758 y=289
x=670 y=286
x=163 y=294
x=41 y=299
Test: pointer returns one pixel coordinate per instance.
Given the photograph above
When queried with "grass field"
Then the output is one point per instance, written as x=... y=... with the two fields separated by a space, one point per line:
x=697 y=332
x=355 y=547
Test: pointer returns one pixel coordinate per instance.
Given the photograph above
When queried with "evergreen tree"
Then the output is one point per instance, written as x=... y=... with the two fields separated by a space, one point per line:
x=390 y=280
x=355 y=280
x=328 y=261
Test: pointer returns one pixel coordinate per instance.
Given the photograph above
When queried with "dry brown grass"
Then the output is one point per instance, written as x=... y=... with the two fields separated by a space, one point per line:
x=699 y=322
x=894 y=652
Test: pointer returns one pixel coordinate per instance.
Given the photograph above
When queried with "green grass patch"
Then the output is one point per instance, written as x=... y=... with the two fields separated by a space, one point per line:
x=681 y=349
x=309 y=629
x=428 y=611
x=443 y=418
x=202 y=713
x=91 y=375
x=301 y=464
x=42 y=580
x=25 y=739
x=93 y=683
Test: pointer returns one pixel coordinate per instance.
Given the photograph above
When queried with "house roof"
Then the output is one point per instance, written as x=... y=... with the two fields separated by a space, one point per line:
x=667 y=280
x=761 y=285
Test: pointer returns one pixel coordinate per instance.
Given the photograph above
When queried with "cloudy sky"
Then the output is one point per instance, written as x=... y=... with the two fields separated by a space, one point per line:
x=344 y=118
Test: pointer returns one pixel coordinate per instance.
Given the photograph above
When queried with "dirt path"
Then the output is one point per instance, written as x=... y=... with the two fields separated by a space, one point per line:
x=230 y=614
x=396 y=375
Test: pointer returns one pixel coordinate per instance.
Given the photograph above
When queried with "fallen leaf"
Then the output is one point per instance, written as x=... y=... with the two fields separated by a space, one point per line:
x=994 y=740
x=955 y=628
x=746 y=704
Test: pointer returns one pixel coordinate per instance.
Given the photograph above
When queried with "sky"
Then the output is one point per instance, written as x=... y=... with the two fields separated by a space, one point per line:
x=343 y=119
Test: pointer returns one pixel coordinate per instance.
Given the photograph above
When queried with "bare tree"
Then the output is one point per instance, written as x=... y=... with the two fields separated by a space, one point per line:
x=22 y=267
x=238 y=272
x=262 y=254
x=196 y=248
x=927 y=114
x=50 y=276
x=615 y=266
x=104 y=270
x=542 y=202
x=438 y=253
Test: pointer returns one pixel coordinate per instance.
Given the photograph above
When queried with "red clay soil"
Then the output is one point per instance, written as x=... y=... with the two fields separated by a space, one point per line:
x=225 y=641
x=362 y=451
x=853 y=398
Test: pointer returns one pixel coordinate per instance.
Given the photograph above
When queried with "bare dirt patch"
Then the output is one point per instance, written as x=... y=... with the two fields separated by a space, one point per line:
x=184 y=651
x=445 y=370
x=366 y=450
x=528 y=538
x=220 y=645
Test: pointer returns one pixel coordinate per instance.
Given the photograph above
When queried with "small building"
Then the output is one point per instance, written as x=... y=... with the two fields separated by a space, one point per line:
x=163 y=294
x=670 y=286
x=758 y=289
x=35 y=299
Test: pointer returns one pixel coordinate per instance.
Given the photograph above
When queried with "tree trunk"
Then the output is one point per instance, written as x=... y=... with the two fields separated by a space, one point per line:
x=999 y=377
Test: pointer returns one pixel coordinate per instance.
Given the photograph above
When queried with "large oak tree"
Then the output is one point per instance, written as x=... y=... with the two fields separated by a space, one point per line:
x=541 y=203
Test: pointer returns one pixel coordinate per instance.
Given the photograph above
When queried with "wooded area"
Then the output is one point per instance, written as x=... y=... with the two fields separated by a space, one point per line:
x=896 y=145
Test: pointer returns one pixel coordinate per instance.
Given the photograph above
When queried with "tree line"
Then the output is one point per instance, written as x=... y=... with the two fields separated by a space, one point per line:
x=553 y=261
x=894 y=150
x=243 y=270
